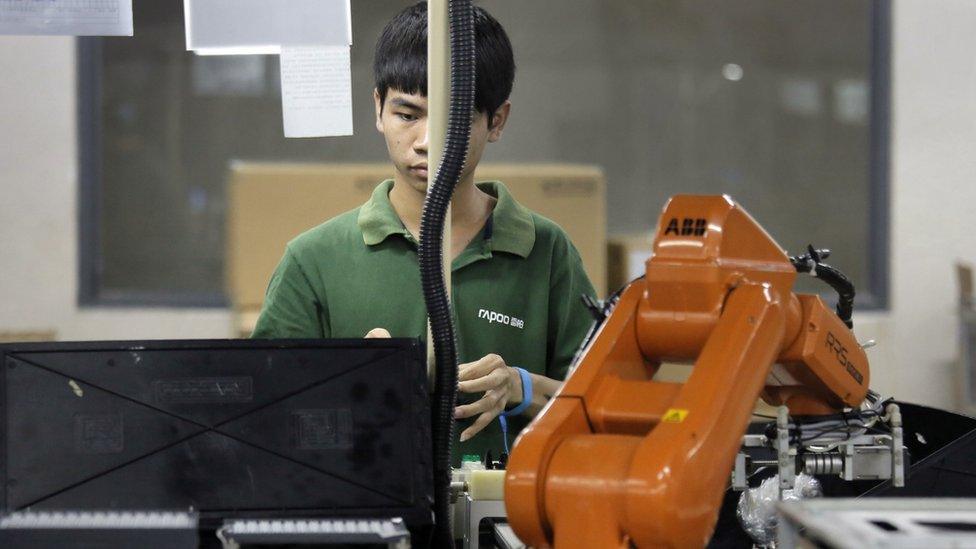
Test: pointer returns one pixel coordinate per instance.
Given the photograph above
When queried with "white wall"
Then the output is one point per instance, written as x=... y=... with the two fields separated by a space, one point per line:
x=933 y=178
x=933 y=197
x=38 y=208
x=933 y=190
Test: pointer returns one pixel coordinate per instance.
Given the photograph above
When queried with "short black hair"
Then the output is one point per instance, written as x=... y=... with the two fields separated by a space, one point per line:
x=400 y=60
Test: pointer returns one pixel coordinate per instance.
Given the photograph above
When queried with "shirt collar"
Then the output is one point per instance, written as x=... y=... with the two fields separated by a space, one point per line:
x=512 y=226
x=377 y=218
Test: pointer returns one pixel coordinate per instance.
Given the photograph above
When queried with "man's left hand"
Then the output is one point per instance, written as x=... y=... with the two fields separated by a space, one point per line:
x=502 y=387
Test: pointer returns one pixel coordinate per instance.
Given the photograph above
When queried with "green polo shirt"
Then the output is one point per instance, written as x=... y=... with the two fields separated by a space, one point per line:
x=516 y=291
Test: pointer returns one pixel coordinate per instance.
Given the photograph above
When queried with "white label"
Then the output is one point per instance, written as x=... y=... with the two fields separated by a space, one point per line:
x=66 y=17
x=316 y=91
x=227 y=27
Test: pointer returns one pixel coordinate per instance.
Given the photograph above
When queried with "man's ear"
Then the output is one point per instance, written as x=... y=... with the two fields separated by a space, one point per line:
x=378 y=103
x=498 y=120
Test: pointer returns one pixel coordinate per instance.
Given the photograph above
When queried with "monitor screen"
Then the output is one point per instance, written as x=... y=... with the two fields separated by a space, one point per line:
x=230 y=428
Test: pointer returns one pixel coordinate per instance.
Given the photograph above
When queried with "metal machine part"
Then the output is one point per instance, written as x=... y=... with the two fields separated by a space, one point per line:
x=391 y=532
x=872 y=523
x=41 y=530
x=468 y=512
x=867 y=456
x=784 y=456
x=476 y=511
x=849 y=448
x=505 y=537
x=718 y=292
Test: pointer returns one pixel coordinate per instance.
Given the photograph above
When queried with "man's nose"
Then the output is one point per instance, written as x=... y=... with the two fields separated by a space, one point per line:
x=420 y=146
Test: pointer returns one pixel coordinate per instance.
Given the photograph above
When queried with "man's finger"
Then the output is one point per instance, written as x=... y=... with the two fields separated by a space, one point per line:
x=480 y=367
x=377 y=333
x=482 y=405
x=495 y=379
x=479 y=424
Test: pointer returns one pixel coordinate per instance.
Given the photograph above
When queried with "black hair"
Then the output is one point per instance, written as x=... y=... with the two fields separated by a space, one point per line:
x=400 y=60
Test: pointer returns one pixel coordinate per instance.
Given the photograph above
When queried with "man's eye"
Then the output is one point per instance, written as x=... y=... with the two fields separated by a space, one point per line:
x=406 y=116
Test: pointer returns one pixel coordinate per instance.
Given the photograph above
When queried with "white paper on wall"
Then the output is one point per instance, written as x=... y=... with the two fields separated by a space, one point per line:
x=316 y=91
x=229 y=27
x=66 y=17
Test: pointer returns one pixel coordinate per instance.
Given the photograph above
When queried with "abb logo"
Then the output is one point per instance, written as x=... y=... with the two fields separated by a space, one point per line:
x=689 y=226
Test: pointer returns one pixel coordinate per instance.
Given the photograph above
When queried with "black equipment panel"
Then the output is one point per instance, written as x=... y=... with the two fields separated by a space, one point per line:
x=229 y=428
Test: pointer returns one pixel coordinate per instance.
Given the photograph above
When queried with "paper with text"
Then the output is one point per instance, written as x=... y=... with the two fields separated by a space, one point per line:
x=316 y=91
x=66 y=17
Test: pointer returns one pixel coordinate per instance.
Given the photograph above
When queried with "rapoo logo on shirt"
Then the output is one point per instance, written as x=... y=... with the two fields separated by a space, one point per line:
x=492 y=317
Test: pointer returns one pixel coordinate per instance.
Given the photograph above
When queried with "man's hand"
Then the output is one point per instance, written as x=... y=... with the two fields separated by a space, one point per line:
x=501 y=384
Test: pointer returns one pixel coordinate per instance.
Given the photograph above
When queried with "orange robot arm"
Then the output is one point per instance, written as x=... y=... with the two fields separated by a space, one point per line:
x=617 y=458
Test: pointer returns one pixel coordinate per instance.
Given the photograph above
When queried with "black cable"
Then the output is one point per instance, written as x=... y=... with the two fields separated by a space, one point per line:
x=847 y=428
x=812 y=262
x=600 y=312
x=803 y=420
x=430 y=254
x=833 y=429
x=844 y=288
x=847 y=431
x=796 y=426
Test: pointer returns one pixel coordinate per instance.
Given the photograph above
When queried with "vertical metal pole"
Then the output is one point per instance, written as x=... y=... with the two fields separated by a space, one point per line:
x=897 y=446
x=786 y=472
x=438 y=102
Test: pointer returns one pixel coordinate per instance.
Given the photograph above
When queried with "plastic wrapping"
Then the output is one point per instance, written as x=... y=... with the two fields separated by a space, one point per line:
x=757 y=506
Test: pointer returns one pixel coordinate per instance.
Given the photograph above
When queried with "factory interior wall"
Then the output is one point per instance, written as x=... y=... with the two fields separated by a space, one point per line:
x=39 y=209
x=933 y=191
x=933 y=178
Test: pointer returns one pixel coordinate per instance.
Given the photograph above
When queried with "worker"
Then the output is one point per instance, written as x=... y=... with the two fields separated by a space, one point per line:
x=517 y=279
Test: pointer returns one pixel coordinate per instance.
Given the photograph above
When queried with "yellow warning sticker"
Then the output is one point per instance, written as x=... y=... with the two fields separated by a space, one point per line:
x=675 y=415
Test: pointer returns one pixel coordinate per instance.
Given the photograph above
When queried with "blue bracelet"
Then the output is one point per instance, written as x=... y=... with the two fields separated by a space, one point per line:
x=526 y=394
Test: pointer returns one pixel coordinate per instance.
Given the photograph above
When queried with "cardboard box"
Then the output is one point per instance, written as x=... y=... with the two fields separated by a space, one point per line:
x=271 y=203
x=626 y=256
x=22 y=336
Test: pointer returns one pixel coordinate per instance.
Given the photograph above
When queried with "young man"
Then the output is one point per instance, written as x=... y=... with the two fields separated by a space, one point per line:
x=517 y=279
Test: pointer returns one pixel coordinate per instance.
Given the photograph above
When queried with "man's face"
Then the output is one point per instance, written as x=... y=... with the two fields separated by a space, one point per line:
x=402 y=120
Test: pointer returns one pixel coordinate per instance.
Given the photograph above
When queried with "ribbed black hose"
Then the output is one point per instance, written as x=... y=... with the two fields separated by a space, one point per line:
x=812 y=262
x=844 y=288
x=431 y=259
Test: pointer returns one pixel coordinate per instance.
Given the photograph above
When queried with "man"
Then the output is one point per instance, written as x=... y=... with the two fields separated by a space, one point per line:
x=517 y=279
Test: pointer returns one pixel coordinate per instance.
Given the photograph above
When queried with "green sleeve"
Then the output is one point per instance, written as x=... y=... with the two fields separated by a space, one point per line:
x=291 y=307
x=569 y=319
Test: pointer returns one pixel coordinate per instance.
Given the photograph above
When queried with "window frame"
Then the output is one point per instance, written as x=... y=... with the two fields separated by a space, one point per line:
x=90 y=291
x=92 y=294
x=879 y=191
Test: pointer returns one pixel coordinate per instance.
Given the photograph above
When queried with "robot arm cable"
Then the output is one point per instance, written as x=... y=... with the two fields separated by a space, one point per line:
x=812 y=263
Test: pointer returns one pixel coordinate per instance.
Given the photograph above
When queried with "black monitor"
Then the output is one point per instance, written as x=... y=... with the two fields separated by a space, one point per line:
x=229 y=428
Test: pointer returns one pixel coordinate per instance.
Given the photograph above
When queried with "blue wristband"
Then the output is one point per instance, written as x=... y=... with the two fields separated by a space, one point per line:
x=526 y=394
